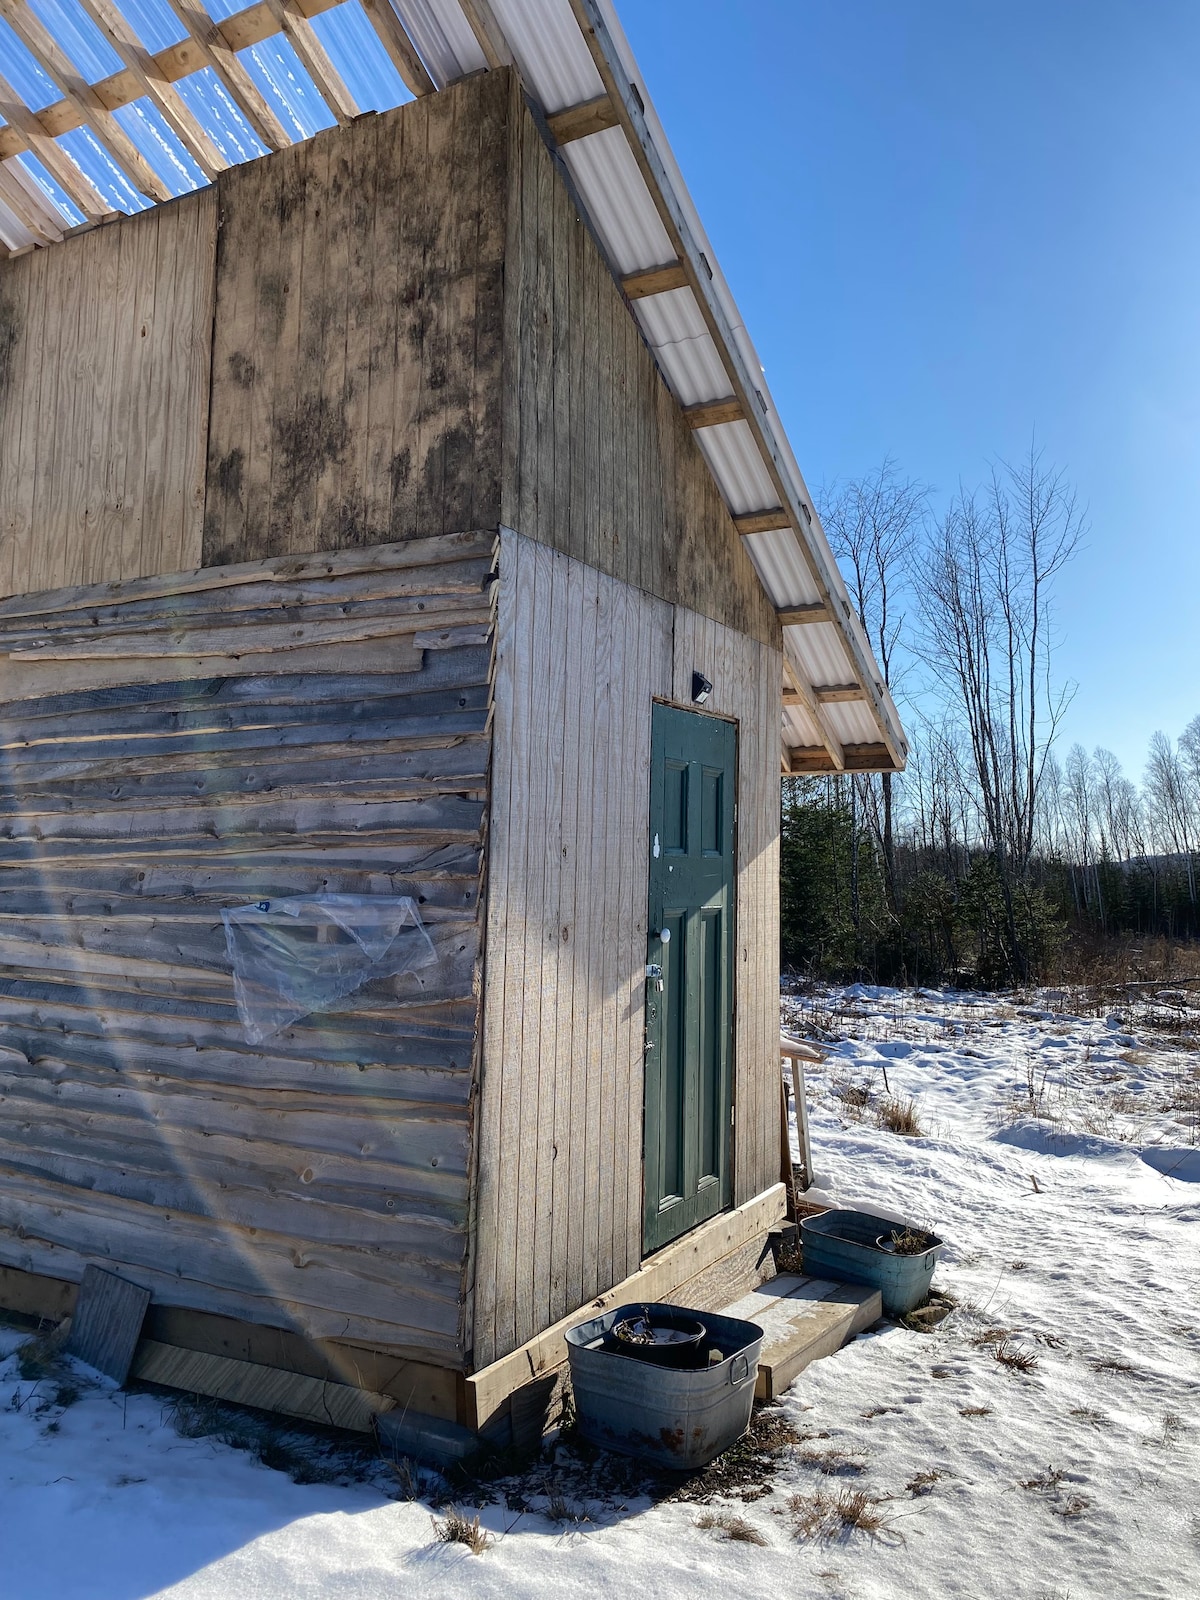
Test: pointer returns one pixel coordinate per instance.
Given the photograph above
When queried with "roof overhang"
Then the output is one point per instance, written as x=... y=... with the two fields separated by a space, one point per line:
x=576 y=66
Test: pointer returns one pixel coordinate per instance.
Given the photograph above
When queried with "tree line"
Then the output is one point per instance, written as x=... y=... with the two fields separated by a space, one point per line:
x=993 y=857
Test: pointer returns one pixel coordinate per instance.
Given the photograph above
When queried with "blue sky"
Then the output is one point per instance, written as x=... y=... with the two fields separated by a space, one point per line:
x=952 y=224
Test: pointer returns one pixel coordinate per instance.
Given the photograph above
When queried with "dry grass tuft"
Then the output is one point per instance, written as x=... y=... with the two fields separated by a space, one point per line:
x=987 y=1336
x=1015 y=1356
x=975 y=1411
x=895 y=1115
x=827 y=1516
x=834 y=1463
x=922 y=1483
x=1090 y=1414
x=855 y=1097
x=1114 y=1366
x=733 y=1527
x=455 y=1529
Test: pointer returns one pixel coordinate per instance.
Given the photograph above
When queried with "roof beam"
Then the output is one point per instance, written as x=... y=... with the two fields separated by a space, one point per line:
x=832 y=694
x=58 y=67
x=487 y=31
x=37 y=217
x=52 y=156
x=713 y=413
x=400 y=48
x=795 y=616
x=577 y=122
x=768 y=521
x=813 y=758
x=206 y=42
x=805 y=701
x=654 y=280
x=314 y=58
x=138 y=60
x=210 y=44
x=630 y=109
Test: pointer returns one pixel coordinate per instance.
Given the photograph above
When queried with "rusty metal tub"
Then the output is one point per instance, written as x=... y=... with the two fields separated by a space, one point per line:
x=676 y=1417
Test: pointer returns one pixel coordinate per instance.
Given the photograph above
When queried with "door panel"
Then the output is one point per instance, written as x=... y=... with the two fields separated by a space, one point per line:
x=689 y=984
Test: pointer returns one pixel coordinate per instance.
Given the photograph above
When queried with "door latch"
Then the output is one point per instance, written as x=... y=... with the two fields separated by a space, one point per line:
x=654 y=974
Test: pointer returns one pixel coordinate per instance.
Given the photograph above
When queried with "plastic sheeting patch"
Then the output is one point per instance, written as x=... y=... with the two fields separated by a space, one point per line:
x=300 y=955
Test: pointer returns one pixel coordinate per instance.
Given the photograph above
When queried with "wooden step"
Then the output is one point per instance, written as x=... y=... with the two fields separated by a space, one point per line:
x=802 y=1320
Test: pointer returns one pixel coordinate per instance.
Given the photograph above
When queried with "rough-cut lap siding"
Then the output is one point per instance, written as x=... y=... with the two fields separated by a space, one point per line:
x=318 y=1181
x=599 y=462
x=104 y=376
x=580 y=658
x=358 y=333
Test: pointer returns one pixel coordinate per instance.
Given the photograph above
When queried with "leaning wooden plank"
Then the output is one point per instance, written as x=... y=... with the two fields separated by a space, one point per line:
x=658 y=1279
x=336 y=1405
x=399 y=556
x=57 y=65
x=107 y=1322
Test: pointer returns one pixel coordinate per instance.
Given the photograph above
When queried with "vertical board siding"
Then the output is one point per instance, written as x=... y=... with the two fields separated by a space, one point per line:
x=318 y=1181
x=580 y=658
x=599 y=462
x=104 y=389
x=358 y=337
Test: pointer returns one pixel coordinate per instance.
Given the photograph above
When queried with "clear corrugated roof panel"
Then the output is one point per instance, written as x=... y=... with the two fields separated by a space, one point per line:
x=443 y=38
x=618 y=202
x=551 y=52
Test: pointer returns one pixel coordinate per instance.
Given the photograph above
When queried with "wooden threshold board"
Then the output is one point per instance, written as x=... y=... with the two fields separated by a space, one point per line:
x=802 y=1320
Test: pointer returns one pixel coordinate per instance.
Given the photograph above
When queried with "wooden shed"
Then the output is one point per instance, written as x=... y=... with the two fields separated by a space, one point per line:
x=366 y=528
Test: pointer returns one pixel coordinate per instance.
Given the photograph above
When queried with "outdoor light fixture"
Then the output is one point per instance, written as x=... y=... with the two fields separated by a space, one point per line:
x=701 y=688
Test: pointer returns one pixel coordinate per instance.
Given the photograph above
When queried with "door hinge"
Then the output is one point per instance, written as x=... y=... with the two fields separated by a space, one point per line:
x=732 y=1116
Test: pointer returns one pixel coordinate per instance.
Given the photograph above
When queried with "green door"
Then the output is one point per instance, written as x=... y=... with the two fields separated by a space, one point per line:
x=689 y=972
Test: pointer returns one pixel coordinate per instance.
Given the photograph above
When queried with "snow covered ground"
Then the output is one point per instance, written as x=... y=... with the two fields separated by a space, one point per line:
x=1057 y=1158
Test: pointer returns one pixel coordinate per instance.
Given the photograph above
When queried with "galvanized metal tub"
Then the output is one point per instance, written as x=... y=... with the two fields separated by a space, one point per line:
x=676 y=1417
x=843 y=1245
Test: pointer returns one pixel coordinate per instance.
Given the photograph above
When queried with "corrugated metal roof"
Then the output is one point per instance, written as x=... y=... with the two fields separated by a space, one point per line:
x=568 y=53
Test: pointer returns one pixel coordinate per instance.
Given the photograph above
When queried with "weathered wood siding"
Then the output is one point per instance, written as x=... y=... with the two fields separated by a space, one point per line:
x=104 y=368
x=319 y=1181
x=580 y=657
x=598 y=459
x=358 y=340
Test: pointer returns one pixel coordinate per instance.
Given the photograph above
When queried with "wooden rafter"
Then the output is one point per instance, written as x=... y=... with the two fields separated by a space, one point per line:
x=713 y=413
x=832 y=694
x=654 y=280
x=796 y=616
x=163 y=95
x=767 y=521
x=314 y=58
x=487 y=31
x=57 y=66
x=577 y=122
x=53 y=157
x=401 y=51
x=206 y=40
x=803 y=698
x=36 y=218
x=630 y=108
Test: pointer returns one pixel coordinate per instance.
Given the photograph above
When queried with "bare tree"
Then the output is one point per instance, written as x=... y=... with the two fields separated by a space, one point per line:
x=874 y=524
x=989 y=641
